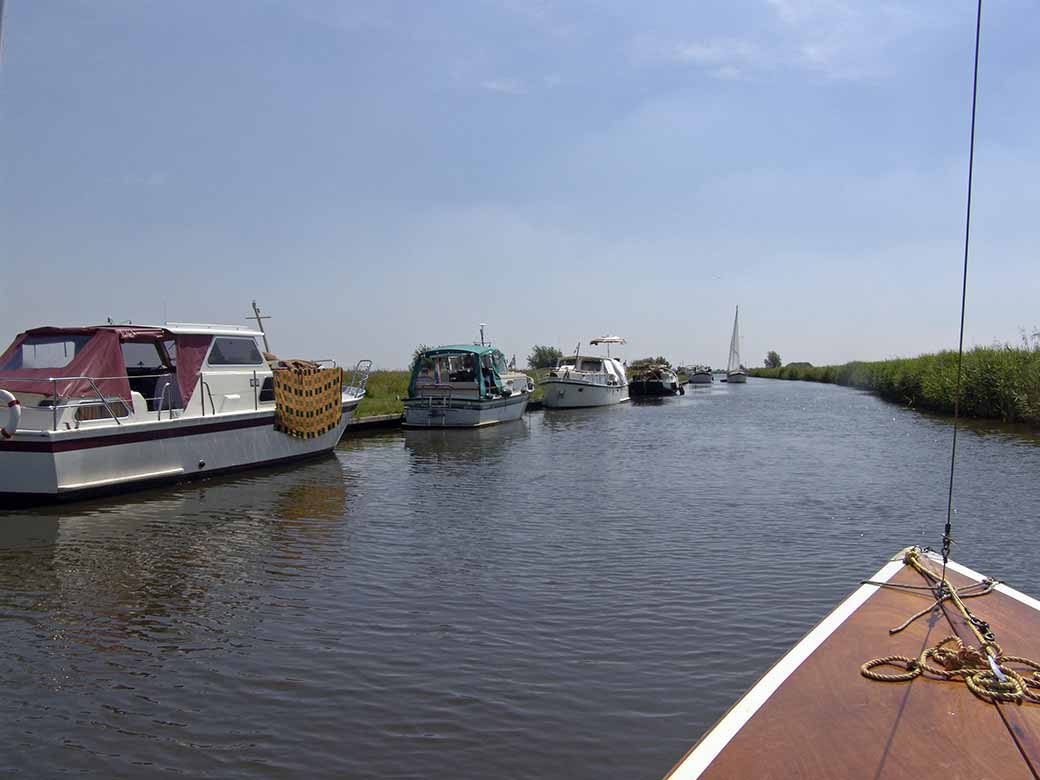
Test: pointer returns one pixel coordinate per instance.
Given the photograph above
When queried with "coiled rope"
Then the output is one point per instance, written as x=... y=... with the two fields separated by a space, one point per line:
x=985 y=670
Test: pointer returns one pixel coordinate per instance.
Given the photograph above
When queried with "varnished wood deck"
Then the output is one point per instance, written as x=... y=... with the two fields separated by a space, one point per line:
x=814 y=716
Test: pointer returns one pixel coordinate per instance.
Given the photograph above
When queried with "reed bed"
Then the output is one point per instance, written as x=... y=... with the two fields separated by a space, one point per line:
x=999 y=382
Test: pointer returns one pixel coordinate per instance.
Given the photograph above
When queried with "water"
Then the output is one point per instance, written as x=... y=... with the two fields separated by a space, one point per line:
x=578 y=595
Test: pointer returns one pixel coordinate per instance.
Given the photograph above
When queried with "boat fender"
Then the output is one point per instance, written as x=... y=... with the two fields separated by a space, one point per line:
x=506 y=392
x=530 y=385
x=14 y=413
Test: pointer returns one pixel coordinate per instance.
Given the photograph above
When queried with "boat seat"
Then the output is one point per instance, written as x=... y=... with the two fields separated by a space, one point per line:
x=140 y=406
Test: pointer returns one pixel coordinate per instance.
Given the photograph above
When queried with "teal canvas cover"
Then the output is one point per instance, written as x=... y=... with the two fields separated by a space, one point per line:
x=478 y=351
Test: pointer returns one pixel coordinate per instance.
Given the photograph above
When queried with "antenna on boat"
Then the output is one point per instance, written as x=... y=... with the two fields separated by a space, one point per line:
x=260 y=324
x=1 y=33
x=482 y=326
x=947 y=539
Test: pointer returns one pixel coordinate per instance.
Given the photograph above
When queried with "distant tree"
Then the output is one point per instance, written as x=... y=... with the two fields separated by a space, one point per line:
x=543 y=357
x=417 y=355
x=773 y=359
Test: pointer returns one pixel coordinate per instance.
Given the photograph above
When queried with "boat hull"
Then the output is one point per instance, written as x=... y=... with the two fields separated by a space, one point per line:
x=463 y=412
x=737 y=378
x=563 y=394
x=48 y=466
x=700 y=379
x=653 y=388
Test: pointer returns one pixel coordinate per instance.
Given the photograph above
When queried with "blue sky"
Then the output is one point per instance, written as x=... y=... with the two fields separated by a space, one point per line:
x=388 y=173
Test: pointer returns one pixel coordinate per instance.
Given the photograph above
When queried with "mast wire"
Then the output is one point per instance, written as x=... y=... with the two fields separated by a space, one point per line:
x=948 y=531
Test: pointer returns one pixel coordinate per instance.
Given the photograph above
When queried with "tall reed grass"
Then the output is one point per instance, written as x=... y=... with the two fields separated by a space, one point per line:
x=999 y=382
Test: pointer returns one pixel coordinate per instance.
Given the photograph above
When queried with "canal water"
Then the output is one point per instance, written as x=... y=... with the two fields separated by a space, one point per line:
x=580 y=594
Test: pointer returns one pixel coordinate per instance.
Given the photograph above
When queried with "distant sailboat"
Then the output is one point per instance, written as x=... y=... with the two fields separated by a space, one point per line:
x=735 y=371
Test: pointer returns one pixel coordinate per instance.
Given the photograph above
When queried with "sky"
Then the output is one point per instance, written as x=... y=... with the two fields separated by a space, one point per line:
x=383 y=174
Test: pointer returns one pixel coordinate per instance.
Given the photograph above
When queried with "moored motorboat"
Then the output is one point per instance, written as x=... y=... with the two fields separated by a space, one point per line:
x=584 y=380
x=649 y=380
x=700 y=375
x=105 y=408
x=464 y=386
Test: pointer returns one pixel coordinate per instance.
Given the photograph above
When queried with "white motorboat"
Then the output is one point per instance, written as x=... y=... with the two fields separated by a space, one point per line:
x=585 y=380
x=700 y=375
x=735 y=371
x=105 y=408
x=464 y=386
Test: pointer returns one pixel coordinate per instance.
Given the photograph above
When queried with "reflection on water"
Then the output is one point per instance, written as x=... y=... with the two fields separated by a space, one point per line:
x=464 y=445
x=580 y=593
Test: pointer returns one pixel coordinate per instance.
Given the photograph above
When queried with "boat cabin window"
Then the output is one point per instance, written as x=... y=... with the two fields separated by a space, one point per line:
x=232 y=351
x=45 y=352
x=591 y=365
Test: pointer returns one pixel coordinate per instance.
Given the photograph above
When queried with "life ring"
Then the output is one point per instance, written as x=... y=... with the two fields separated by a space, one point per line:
x=14 y=414
x=530 y=385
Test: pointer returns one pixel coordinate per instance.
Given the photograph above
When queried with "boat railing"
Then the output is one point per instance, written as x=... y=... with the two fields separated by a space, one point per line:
x=602 y=378
x=359 y=378
x=162 y=401
x=115 y=407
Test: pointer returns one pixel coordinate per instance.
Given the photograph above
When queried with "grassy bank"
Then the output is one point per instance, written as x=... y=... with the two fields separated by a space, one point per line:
x=382 y=393
x=386 y=389
x=1000 y=383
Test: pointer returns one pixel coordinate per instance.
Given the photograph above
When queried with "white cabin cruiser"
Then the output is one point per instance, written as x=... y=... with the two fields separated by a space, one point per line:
x=464 y=386
x=584 y=380
x=700 y=375
x=106 y=408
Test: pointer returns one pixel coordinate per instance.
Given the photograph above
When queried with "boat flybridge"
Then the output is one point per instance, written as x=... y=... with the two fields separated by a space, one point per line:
x=113 y=407
x=586 y=380
x=464 y=386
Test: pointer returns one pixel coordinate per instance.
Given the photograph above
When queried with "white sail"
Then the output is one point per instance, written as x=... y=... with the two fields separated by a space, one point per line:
x=734 y=345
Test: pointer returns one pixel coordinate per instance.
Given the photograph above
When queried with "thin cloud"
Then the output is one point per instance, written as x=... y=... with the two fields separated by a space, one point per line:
x=831 y=38
x=725 y=58
x=844 y=41
x=504 y=86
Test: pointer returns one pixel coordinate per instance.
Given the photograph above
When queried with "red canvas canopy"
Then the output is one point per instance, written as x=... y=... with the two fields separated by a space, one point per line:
x=97 y=354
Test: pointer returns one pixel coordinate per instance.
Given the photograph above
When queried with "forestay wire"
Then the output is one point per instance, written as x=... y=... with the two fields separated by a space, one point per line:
x=948 y=531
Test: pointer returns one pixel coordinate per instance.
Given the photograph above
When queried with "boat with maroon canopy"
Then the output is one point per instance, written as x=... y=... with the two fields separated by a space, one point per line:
x=98 y=408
